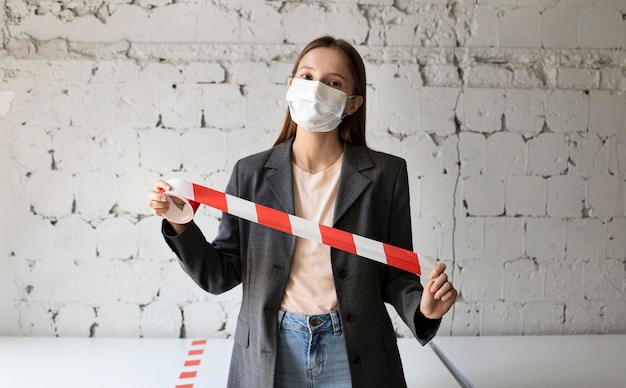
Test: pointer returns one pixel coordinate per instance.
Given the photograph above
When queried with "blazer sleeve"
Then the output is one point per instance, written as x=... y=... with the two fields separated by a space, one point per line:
x=217 y=266
x=403 y=289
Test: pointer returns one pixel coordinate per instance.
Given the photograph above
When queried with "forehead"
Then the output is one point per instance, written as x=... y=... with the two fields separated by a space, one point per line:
x=326 y=60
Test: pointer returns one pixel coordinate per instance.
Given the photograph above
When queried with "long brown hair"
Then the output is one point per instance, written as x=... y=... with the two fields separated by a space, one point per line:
x=352 y=127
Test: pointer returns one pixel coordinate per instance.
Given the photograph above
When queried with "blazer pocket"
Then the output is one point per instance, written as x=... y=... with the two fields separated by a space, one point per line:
x=389 y=337
x=242 y=333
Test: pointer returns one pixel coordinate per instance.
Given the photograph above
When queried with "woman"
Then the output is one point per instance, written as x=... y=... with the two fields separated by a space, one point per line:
x=312 y=315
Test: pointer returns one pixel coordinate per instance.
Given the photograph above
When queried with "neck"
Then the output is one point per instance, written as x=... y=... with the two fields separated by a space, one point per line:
x=314 y=152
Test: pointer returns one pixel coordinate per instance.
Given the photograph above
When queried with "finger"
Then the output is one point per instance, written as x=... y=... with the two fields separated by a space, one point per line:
x=449 y=296
x=438 y=282
x=154 y=195
x=443 y=290
x=161 y=186
x=438 y=270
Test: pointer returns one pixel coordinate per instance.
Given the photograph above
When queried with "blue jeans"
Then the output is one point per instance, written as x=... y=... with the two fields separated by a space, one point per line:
x=311 y=352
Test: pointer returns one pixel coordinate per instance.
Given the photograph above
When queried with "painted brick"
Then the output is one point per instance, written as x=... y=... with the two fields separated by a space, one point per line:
x=547 y=154
x=504 y=238
x=32 y=149
x=600 y=28
x=604 y=279
x=613 y=78
x=401 y=110
x=35 y=319
x=176 y=285
x=525 y=195
x=543 y=317
x=152 y=155
x=110 y=324
x=50 y=280
x=505 y=154
x=437 y=196
x=617 y=160
x=95 y=281
x=519 y=27
x=483 y=195
x=75 y=320
x=266 y=109
x=482 y=110
x=94 y=192
x=498 y=313
x=615 y=241
x=228 y=100
x=564 y=279
x=469 y=237
x=138 y=280
x=437 y=110
x=485 y=30
x=605 y=196
x=606 y=112
x=117 y=238
x=567 y=111
x=196 y=157
x=573 y=78
x=117 y=150
x=472 y=148
x=161 y=319
x=428 y=238
x=524 y=280
x=467 y=318
x=128 y=184
x=525 y=111
x=585 y=239
x=203 y=319
x=589 y=155
x=21 y=241
x=565 y=196
x=181 y=106
x=477 y=287
x=50 y=193
x=421 y=153
x=545 y=238
x=149 y=247
x=559 y=27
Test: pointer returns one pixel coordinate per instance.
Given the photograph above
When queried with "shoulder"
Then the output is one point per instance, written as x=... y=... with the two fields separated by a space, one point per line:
x=378 y=159
x=268 y=158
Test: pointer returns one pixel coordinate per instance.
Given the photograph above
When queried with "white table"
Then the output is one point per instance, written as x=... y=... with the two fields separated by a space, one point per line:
x=33 y=362
x=597 y=361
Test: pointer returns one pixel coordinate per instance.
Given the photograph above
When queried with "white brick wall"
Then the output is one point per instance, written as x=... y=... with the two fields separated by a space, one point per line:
x=511 y=115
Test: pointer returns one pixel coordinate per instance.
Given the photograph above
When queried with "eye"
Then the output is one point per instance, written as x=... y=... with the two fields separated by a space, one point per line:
x=306 y=76
x=334 y=84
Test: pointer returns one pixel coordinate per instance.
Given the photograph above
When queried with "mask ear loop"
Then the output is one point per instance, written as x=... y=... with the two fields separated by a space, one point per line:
x=347 y=114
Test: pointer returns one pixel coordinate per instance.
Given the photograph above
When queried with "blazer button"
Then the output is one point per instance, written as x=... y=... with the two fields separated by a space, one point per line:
x=343 y=273
x=356 y=359
x=350 y=317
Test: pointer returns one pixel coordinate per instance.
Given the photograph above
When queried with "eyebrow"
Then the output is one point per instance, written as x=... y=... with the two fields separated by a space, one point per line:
x=334 y=74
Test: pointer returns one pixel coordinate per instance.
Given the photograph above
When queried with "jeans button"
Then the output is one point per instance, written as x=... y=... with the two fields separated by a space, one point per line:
x=315 y=321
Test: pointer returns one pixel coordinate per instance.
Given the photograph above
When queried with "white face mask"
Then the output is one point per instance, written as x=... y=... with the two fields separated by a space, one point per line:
x=314 y=106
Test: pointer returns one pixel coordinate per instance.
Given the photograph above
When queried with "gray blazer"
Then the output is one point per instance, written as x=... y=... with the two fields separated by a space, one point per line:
x=372 y=201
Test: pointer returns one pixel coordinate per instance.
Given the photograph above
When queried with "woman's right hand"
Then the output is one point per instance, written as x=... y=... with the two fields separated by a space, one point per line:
x=157 y=201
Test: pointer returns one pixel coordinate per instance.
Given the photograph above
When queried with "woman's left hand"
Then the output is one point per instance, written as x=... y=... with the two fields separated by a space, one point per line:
x=438 y=295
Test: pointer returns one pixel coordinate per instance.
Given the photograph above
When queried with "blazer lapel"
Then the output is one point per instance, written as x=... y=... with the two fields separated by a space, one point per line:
x=281 y=182
x=352 y=182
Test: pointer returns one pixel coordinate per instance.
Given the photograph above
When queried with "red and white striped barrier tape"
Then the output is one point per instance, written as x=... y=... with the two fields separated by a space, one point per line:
x=192 y=195
x=187 y=376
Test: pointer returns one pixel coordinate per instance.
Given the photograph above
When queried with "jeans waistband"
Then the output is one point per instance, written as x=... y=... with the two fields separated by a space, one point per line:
x=311 y=323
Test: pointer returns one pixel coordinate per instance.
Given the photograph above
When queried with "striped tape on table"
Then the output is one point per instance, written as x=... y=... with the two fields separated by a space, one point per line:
x=191 y=195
